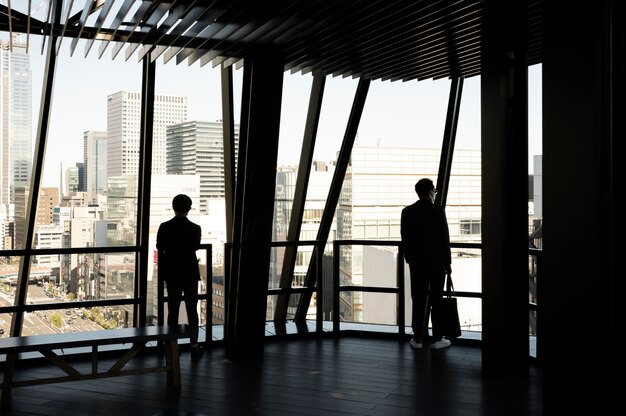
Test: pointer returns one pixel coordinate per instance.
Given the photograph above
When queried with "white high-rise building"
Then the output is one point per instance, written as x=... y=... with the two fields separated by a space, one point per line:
x=124 y=129
x=197 y=148
x=16 y=151
x=70 y=179
x=380 y=182
x=95 y=163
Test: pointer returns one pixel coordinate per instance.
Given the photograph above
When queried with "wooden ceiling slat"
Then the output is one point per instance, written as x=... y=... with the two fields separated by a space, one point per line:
x=183 y=25
x=81 y=24
x=104 y=13
x=393 y=44
x=175 y=13
x=115 y=25
x=348 y=39
x=146 y=16
x=250 y=34
x=395 y=40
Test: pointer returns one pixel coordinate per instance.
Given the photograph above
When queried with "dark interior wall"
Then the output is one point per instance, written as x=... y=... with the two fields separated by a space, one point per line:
x=582 y=156
x=504 y=126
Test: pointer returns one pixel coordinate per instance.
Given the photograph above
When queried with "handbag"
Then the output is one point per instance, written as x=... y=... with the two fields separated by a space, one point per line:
x=450 y=324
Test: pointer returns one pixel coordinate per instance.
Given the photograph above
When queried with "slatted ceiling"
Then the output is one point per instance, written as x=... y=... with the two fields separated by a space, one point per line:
x=212 y=29
x=174 y=14
x=243 y=36
x=231 y=36
x=103 y=13
x=178 y=31
x=397 y=40
x=206 y=29
x=347 y=32
x=399 y=43
x=115 y=25
x=82 y=20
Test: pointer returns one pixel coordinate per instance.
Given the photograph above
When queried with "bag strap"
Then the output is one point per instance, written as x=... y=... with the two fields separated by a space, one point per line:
x=449 y=285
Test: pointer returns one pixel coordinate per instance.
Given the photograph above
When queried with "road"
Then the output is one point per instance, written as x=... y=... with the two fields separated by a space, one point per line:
x=38 y=322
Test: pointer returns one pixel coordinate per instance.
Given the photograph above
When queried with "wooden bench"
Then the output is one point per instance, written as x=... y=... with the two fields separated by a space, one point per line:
x=48 y=344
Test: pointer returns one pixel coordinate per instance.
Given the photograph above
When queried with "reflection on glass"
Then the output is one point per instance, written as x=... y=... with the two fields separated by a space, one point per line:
x=377 y=308
x=5 y=320
x=9 y=269
x=78 y=319
x=81 y=277
x=292 y=307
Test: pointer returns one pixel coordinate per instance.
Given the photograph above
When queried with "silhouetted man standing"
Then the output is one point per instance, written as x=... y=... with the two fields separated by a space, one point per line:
x=177 y=242
x=426 y=246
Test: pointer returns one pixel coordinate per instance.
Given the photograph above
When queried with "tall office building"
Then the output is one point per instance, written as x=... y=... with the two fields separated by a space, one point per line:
x=16 y=150
x=124 y=129
x=47 y=201
x=95 y=163
x=380 y=182
x=70 y=179
x=197 y=148
x=320 y=179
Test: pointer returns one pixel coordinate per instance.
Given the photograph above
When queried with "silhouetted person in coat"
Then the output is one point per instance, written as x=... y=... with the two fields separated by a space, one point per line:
x=177 y=242
x=426 y=246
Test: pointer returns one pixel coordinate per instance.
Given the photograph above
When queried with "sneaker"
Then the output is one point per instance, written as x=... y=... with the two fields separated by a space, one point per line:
x=197 y=351
x=442 y=343
x=415 y=344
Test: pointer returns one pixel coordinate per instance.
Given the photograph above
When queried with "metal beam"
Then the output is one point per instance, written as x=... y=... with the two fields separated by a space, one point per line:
x=449 y=138
x=333 y=194
x=302 y=185
x=37 y=171
x=144 y=188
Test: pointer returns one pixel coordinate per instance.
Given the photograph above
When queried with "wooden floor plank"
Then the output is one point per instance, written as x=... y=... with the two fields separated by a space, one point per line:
x=309 y=377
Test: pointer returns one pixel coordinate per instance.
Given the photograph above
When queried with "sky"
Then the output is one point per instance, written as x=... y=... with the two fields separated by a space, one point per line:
x=395 y=114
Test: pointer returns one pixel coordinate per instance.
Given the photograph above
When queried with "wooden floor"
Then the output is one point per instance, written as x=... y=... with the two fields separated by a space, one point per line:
x=352 y=375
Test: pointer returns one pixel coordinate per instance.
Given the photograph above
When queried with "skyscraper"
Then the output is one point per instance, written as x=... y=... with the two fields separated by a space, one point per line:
x=197 y=148
x=124 y=129
x=95 y=163
x=70 y=179
x=15 y=118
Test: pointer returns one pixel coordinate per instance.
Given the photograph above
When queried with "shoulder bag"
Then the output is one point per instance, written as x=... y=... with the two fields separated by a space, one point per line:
x=451 y=327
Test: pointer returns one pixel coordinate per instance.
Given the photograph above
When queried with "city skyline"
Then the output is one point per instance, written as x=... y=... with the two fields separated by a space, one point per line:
x=395 y=113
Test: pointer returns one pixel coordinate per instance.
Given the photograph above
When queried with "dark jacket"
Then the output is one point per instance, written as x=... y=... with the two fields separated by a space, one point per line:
x=425 y=235
x=177 y=242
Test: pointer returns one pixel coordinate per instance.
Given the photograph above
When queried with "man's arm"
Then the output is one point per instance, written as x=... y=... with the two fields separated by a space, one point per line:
x=446 y=242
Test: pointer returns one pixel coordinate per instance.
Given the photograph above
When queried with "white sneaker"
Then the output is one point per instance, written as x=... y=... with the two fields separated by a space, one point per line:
x=416 y=345
x=442 y=343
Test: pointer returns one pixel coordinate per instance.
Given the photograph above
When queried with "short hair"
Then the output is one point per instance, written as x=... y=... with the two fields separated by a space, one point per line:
x=181 y=203
x=423 y=187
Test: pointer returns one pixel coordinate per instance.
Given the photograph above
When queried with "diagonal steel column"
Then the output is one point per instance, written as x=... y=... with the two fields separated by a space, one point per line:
x=259 y=187
x=449 y=137
x=144 y=188
x=447 y=153
x=38 y=160
x=333 y=194
x=228 y=142
x=231 y=270
x=299 y=199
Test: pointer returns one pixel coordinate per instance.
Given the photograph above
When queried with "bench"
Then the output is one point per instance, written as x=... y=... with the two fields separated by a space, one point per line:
x=46 y=345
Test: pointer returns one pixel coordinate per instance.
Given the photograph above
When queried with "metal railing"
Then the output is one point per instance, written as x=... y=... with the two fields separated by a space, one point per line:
x=337 y=288
x=399 y=289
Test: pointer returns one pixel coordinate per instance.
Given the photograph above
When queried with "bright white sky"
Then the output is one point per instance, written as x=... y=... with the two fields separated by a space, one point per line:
x=404 y=114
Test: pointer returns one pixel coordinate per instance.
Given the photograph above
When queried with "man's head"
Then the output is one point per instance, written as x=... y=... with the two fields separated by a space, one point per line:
x=424 y=187
x=181 y=204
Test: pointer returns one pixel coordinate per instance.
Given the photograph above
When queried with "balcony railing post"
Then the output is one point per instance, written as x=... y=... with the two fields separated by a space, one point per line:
x=401 y=291
x=335 y=312
x=320 y=288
